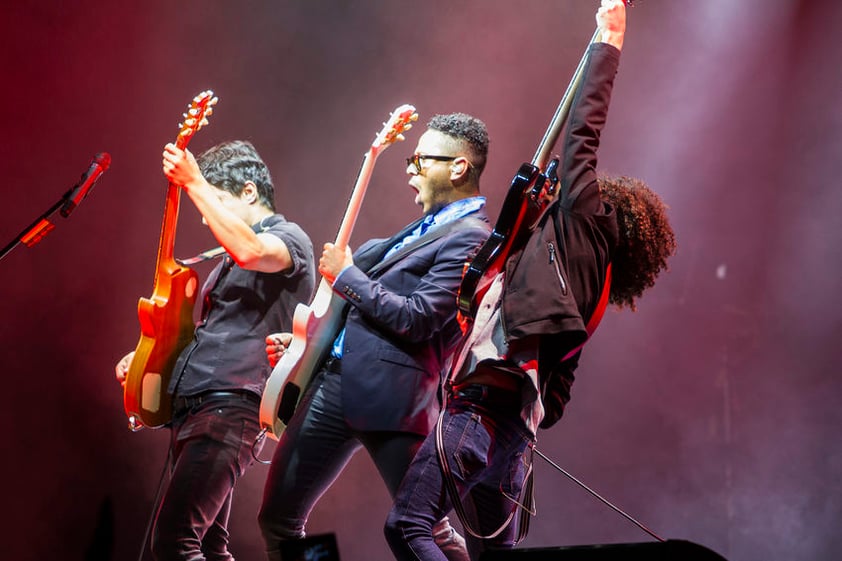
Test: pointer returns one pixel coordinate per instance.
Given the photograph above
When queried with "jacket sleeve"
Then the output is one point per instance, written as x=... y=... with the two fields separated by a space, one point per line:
x=416 y=297
x=585 y=123
x=555 y=390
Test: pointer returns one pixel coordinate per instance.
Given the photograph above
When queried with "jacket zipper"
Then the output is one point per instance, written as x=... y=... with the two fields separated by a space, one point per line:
x=554 y=263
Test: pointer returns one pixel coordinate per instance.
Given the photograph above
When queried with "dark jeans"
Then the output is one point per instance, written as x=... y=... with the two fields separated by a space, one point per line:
x=211 y=448
x=311 y=453
x=485 y=444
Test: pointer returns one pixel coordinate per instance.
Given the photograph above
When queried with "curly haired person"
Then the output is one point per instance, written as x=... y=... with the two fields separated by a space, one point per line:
x=602 y=240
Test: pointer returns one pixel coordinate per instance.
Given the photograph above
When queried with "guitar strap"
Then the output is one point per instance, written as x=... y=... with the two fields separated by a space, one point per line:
x=261 y=226
x=596 y=317
x=216 y=252
x=372 y=256
x=434 y=234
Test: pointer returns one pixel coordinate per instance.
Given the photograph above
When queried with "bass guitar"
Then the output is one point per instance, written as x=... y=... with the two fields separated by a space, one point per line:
x=316 y=326
x=530 y=194
x=166 y=319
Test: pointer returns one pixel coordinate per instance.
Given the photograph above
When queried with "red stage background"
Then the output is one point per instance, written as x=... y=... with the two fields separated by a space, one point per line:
x=712 y=414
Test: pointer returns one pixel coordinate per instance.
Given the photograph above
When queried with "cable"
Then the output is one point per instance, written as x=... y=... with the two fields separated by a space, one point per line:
x=258 y=440
x=598 y=496
x=155 y=505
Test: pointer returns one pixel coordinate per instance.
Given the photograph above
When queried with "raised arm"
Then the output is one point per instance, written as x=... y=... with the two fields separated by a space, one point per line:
x=254 y=251
x=611 y=20
x=590 y=109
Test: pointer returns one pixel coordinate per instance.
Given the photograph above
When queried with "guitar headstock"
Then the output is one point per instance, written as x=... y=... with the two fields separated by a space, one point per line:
x=399 y=122
x=196 y=117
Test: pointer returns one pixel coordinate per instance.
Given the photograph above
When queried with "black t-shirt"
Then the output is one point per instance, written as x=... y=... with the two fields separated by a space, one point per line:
x=239 y=309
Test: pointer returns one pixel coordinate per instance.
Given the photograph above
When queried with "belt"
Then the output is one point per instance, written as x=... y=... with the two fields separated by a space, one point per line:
x=483 y=393
x=190 y=401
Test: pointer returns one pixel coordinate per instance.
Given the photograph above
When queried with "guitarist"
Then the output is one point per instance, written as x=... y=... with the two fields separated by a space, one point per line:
x=379 y=389
x=217 y=381
x=511 y=370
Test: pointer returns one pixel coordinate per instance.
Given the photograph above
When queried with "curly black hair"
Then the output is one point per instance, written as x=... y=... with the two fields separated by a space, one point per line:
x=467 y=129
x=646 y=238
x=229 y=165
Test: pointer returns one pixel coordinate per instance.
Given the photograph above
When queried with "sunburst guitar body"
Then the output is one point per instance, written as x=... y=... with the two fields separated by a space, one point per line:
x=166 y=319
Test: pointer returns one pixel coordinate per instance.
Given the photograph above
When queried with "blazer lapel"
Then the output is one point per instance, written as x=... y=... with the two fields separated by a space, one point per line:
x=373 y=255
x=427 y=238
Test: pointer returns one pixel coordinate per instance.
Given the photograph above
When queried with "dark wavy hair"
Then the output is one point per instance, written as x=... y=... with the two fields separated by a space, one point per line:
x=230 y=165
x=646 y=237
x=468 y=130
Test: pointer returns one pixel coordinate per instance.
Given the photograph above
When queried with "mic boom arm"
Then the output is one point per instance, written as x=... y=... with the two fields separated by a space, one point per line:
x=42 y=226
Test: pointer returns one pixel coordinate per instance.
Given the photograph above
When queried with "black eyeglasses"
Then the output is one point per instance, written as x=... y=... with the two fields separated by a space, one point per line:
x=415 y=160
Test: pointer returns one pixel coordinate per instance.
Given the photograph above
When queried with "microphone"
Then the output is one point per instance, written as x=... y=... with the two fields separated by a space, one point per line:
x=73 y=197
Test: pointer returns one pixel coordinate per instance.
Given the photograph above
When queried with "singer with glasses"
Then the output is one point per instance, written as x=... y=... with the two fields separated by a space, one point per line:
x=379 y=388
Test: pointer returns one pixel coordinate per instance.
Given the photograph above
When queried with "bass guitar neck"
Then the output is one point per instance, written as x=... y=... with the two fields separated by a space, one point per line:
x=532 y=190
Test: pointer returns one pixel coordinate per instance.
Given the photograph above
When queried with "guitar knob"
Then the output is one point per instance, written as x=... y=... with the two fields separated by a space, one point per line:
x=134 y=424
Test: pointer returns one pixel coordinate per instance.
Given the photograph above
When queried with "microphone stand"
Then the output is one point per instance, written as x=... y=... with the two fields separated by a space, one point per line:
x=39 y=229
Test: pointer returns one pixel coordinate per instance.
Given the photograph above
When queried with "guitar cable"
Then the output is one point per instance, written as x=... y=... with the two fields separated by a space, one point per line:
x=159 y=493
x=261 y=436
x=598 y=496
x=155 y=504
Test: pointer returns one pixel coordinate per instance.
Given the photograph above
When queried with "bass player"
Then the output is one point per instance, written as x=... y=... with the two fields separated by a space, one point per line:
x=513 y=373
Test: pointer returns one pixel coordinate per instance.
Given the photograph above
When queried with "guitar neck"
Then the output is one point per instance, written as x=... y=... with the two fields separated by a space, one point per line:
x=356 y=200
x=542 y=155
x=399 y=121
x=545 y=147
x=166 y=245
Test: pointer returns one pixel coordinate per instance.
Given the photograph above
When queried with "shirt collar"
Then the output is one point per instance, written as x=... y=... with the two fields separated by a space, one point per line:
x=458 y=209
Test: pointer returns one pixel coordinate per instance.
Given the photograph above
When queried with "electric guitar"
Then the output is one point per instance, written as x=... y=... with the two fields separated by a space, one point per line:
x=166 y=319
x=532 y=191
x=316 y=326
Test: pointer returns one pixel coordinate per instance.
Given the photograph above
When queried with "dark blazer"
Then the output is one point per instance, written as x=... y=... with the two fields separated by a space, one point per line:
x=401 y=326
